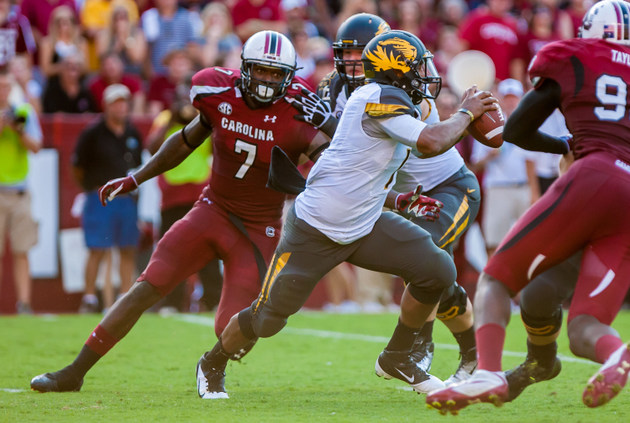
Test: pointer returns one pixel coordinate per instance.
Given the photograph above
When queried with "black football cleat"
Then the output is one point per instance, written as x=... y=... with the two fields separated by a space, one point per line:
x=210 y=380
x=527 y=373
x=422 y=353
x=399 y=365
x=63 y=380
x=467 y=365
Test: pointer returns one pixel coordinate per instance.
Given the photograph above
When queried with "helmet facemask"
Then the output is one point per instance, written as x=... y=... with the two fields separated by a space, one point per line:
x=350 y=70
x=426 y=82
x=261 y=90
x=421 y=81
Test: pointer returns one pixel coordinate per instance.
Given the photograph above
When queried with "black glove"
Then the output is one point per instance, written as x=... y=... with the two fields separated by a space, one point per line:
x=315 y=111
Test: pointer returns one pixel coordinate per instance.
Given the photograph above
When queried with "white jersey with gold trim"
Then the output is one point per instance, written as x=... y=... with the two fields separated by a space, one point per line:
x=347 y=187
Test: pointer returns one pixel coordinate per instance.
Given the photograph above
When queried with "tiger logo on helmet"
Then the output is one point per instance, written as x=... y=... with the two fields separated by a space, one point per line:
x=384 y=59
x=400 y=59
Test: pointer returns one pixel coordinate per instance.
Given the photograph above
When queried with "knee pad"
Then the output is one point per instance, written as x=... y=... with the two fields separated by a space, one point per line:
x=542 y=326
x=425 y=295
x=245 y=324
x=453 y=303
x=546 y=292
x=266 y=323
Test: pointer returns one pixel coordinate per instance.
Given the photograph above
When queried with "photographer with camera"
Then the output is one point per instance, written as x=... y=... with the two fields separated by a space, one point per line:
x=19 y=133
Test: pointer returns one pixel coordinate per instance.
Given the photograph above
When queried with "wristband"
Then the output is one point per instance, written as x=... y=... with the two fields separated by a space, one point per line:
x=133 y=178
x=468 y=112
x=185 y=138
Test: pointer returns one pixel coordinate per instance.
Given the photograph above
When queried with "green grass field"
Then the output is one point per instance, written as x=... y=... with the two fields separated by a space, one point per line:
x=320 y=368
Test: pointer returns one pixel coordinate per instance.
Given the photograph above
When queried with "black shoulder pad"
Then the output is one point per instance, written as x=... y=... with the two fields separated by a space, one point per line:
x=329 y=89
x=393 y=102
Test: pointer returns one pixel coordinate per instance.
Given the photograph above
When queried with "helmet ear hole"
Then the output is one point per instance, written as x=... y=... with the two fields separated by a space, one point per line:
x=608 y=20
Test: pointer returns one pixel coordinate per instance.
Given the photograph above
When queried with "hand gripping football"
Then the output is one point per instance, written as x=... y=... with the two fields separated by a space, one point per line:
x=488 y=128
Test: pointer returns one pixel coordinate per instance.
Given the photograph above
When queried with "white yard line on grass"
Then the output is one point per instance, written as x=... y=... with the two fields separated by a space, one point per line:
x=208 y=321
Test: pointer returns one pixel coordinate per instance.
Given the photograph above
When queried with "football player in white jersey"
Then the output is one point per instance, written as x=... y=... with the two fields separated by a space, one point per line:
x=445 y=178
x=339 y=217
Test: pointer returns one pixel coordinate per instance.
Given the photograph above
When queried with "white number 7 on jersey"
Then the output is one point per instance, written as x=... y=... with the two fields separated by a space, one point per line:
x=239 y=147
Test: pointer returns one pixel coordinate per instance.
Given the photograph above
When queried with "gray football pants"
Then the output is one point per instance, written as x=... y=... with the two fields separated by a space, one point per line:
x=305 y=255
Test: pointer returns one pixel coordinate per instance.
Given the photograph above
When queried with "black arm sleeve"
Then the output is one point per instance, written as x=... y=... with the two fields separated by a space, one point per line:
x=522 y=126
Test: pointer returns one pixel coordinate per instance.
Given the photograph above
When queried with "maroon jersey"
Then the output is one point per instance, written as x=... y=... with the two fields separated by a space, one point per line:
x=593 y=76
x=15 y=37
x=242 y=139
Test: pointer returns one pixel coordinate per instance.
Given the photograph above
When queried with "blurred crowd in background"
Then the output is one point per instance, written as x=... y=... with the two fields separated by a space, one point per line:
x=63 y=54
x=68 y=51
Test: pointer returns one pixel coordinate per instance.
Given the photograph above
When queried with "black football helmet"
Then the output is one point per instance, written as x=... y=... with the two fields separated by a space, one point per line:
x=354 y=34
x=399 y=58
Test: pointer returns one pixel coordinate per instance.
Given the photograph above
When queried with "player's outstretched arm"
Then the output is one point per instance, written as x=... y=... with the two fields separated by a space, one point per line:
x=174 y=150
x=439 y=137
x=522 y=126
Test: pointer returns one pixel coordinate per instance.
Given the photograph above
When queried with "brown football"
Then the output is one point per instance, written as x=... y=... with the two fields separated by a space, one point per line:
x=488 y=128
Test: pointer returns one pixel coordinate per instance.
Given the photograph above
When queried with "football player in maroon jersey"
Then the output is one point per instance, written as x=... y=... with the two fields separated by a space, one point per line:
x=237 y=218
x=585 y=210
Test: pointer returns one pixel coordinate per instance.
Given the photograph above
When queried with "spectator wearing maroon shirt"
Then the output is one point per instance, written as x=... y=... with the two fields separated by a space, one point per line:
x=418 y=18
x=452 y=12
x=575 y=10
x=163 y=89
x=16 y=36
x=112 y=72
x=448 y=46
x=38 y=13
x=540 y=32
x=492 y=30
x=251 y=16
